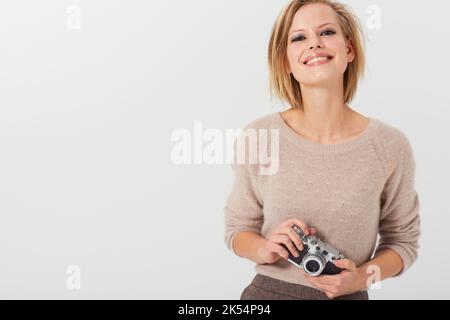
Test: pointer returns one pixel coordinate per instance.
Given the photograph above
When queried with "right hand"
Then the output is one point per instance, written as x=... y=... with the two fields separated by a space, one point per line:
x=272 y=250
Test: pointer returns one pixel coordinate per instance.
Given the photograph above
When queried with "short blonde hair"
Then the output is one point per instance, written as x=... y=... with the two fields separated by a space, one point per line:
x=284 y=85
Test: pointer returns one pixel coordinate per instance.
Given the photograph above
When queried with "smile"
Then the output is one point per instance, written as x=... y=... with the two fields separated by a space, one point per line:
x=318 y=61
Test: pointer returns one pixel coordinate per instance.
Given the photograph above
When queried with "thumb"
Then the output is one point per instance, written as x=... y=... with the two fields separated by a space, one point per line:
x=345 y=264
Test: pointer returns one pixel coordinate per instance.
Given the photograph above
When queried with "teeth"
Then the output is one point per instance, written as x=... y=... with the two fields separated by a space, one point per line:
x=316 y=60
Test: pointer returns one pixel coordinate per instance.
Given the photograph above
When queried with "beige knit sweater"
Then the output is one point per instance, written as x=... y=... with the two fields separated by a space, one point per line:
x=351 y=192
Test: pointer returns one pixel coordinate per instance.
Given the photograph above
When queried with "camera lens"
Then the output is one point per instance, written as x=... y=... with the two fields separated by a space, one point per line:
x=312 y=266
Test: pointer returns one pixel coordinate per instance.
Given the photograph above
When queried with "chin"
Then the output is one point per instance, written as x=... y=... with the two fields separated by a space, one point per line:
x=322 y=78
x=319 y=82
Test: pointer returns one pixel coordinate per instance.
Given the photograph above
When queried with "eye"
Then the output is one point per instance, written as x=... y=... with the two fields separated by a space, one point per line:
x=299 y=38
x=328 y=32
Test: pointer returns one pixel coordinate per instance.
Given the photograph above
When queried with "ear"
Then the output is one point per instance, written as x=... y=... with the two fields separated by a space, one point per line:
x=350 y=51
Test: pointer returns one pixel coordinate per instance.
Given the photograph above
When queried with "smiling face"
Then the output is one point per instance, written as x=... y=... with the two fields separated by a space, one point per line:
x=316 y=32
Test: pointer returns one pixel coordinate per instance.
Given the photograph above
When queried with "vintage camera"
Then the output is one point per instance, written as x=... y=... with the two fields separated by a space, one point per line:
x=316 y=257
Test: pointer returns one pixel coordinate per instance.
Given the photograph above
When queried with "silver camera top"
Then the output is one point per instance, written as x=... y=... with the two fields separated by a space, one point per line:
x=318 y=255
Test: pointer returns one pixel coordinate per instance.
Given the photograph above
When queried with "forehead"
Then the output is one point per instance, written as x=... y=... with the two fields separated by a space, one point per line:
x=313 y=15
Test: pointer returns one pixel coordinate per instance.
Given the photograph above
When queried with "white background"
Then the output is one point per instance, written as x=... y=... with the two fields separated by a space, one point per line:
x=86 y=118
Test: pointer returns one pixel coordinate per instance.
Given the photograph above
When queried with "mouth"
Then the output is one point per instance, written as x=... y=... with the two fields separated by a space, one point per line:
x=318 y=61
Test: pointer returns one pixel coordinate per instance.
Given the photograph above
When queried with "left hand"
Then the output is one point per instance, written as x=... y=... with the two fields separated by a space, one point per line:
x=348 y=281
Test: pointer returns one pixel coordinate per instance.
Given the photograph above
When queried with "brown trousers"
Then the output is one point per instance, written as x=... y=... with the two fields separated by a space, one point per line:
x=266 y=288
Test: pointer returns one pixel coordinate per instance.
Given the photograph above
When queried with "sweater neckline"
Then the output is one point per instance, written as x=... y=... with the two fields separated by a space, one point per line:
x=321 y=148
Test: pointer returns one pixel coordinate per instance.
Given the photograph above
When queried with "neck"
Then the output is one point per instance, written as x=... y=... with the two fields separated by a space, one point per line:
x=325 y=116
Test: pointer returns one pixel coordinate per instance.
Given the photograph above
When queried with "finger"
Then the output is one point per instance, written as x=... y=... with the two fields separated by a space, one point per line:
x=284 y=239
x=294 y=237
x=345 y=264
x=331 y=295
x=331 y=280
x=321 y=286
x=291 y=234
x=273 y=247
x=327 y=280
x=298 y=222
x=312 y=231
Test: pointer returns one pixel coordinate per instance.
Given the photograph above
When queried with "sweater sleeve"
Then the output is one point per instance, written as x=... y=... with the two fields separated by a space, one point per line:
x=399 y=226
x=244 y=206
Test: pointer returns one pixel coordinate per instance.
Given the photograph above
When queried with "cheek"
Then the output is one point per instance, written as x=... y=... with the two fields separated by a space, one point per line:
x=293 y=56
x=338 y=47
x=295 y=51
x=335 y=43
x=341 y=61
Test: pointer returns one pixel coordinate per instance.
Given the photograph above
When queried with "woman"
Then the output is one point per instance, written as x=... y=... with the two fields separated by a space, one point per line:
x=343 y=176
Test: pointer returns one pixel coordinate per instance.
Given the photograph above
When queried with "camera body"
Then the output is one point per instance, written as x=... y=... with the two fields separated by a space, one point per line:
x=317 y=257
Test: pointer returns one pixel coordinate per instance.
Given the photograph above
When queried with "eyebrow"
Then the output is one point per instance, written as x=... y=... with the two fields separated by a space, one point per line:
x=325 y=24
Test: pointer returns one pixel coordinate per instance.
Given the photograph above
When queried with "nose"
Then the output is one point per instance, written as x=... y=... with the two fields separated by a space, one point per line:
x=316 y=42
x=320 y=46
